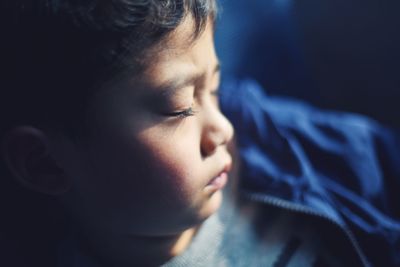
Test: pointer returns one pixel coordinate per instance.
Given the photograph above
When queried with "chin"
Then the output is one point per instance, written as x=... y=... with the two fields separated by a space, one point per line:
x=211 y=206
x=200 y=214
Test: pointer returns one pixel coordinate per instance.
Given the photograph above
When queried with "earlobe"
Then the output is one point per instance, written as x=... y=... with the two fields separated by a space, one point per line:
x=26 y=152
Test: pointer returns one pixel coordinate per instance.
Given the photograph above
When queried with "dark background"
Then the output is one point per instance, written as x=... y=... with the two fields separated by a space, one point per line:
x=336 y=54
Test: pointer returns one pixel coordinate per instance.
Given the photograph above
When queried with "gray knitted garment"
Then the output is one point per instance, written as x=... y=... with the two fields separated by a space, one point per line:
x=254 y=238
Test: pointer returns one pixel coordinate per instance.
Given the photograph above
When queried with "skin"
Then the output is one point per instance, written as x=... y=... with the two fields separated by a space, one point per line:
x=139 y=185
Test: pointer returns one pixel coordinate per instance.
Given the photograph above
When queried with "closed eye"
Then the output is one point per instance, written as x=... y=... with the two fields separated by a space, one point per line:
x=184 y=113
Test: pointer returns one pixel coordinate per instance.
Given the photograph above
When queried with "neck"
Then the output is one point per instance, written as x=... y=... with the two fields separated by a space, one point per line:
x=182 y=242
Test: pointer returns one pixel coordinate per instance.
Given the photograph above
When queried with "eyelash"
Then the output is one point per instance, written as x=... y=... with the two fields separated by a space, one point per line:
x=184 y=113
x=189 y=111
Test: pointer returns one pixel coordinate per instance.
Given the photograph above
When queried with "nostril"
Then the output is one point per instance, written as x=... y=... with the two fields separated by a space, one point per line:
x=209 y=143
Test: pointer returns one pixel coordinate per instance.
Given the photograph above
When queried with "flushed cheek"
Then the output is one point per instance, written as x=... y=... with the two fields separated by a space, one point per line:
x=152 y=175
x=177 y=166
x=167 y=184
x=175 y=152
x=159 y=168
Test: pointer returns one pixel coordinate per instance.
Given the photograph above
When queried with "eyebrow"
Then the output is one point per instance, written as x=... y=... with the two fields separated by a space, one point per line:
x=171 y=86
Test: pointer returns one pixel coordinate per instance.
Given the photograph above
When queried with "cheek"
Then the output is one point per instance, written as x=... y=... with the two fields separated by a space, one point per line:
x=152 y=168
x=172 y=161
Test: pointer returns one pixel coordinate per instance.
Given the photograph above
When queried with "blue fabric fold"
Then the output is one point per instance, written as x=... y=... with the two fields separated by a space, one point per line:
x=345 y=166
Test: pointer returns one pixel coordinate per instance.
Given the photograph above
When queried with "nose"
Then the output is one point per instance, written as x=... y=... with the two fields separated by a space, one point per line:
x=217 y=131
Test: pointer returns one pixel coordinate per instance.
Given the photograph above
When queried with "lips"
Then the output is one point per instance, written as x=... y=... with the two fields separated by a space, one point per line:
x=219 y=182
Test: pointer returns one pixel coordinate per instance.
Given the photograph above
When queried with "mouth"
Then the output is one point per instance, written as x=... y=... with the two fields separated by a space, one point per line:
x=219 y=182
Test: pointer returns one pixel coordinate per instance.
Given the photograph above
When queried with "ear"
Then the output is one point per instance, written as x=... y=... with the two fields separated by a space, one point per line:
x=26 y=152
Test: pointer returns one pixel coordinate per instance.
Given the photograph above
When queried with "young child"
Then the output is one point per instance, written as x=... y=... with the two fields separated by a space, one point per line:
x=110 y=116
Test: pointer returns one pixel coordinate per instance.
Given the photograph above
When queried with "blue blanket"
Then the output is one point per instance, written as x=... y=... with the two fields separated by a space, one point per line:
x=342 y=165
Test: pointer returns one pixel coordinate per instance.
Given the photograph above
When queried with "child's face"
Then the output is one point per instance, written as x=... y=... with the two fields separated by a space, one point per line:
x=146 y=169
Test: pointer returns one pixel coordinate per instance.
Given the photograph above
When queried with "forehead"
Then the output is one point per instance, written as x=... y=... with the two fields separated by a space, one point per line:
x=177 y=58
x=182 y=52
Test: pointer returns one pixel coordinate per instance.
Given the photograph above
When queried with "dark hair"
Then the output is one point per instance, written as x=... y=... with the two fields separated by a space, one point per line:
x=55 y=52
x=54 y=55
